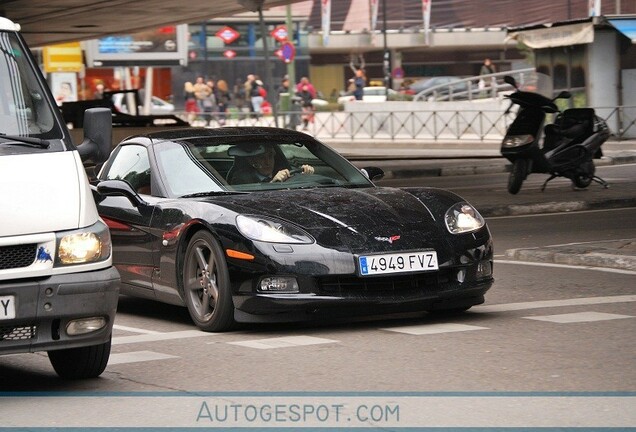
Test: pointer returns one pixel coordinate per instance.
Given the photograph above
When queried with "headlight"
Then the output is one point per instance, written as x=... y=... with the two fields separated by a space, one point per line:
x=517 y=140
x=267 y=230
x=463 y=218
x=87 y=245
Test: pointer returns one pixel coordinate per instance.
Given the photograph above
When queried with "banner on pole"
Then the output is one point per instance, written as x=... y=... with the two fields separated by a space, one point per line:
x=373 y=7
x=426 y=12
x=594 y=8
x=325 y=6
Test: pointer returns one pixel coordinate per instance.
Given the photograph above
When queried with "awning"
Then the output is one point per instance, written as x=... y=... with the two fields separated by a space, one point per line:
x=555 y=36
x=627 y=26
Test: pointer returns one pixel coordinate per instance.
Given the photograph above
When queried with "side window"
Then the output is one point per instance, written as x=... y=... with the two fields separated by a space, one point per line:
x=23 y=106
x=131 y=164
x=184 y=173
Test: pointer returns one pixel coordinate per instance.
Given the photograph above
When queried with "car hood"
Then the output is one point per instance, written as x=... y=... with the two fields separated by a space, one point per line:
x=351 y=219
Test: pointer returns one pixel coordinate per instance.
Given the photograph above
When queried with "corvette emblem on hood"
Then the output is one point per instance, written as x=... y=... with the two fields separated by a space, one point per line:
x=388 y=239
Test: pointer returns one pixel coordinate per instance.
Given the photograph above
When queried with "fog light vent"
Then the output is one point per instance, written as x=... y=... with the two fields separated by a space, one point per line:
x=279 y=284
x=85 y=325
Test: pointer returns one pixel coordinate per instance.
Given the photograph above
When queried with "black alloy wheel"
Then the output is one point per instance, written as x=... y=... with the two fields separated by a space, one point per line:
x=206 y=284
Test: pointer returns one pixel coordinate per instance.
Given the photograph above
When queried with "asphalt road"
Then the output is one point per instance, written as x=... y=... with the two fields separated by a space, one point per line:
x=489 y=193
x=558 y=337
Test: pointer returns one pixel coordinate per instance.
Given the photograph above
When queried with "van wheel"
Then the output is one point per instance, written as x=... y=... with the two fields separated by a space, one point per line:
x=583 y=176
x=517 y=175
x=206 y=284
x=82 y=362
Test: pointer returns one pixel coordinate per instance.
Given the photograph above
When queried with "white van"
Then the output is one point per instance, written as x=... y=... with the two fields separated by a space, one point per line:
x=58 y=288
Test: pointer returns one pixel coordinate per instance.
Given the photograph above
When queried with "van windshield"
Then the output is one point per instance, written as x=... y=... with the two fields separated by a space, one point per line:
x=25 y=110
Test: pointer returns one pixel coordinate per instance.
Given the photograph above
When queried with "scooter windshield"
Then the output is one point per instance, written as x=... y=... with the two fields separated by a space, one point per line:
x=537 y=82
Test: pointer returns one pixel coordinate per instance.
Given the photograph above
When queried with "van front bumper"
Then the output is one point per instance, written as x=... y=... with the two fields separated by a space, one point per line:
x=44 y=307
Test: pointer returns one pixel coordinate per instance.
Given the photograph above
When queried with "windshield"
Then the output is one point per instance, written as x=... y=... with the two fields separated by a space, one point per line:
x=536 y=82
x=24 y=108
x=207 y=165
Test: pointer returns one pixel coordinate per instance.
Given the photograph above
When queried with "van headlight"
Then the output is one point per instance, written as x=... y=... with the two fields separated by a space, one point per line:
x=463 y=218
x=86 y=245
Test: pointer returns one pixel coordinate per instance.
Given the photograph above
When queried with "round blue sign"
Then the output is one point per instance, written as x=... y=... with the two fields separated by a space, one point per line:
x=288 y=51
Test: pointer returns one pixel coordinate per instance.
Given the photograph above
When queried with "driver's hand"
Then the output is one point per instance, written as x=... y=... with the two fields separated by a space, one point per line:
x=307 y=169
x=281 y=176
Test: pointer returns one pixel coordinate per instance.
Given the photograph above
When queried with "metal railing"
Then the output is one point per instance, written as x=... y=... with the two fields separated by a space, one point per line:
x=470 y=89
x=403 y=125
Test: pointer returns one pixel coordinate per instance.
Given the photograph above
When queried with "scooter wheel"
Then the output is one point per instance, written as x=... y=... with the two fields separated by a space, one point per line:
x=517 y=175
x=583 y=177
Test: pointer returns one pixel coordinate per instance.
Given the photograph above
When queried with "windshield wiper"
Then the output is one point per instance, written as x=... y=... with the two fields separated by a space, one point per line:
x=212 y=193
x=34 y=142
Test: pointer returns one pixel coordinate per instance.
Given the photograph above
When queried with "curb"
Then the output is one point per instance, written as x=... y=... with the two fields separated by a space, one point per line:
x=555 y=207
x=498 y=165
x=596 y=254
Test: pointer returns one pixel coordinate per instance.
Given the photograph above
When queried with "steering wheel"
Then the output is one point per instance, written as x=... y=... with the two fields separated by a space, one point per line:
x=311 y=178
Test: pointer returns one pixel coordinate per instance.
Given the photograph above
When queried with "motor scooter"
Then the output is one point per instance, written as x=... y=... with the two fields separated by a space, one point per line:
x=565 y=148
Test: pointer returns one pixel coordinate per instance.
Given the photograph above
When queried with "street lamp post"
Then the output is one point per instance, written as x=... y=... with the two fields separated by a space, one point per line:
x=387 y=55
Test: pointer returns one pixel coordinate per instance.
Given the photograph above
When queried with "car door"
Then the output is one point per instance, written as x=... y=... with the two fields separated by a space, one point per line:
x=133 y=241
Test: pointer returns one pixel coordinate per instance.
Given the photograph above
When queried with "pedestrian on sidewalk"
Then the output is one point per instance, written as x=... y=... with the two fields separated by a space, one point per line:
x=308 y=108
x=487 y=68
x=191 y=107
x=222 y=100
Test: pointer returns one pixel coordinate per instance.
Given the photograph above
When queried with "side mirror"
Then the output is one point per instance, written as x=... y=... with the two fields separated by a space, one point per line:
x=564 y=95
x=373 y=173
x=510 y=80
x=120 y=188
x=98 y=131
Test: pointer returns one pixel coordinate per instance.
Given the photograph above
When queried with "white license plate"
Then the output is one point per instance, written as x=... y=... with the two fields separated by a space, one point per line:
x=7 y=307
x=397 y=263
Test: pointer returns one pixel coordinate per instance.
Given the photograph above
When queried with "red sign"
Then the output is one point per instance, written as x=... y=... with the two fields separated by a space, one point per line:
x=398 y=72
x=229 y=53
x=279 y=33
x=228 y=34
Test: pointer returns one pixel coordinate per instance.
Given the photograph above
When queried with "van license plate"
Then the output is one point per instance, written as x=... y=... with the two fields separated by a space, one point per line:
x=397 y=263
x=7 y=307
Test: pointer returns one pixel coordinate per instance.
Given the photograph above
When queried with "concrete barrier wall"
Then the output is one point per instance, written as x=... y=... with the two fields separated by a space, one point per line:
x=428 y=120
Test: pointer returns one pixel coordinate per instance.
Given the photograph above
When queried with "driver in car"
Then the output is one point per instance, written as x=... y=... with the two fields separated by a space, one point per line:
x=261 y=164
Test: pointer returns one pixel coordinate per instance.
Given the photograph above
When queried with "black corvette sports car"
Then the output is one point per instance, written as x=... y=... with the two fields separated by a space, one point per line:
x=192 y=226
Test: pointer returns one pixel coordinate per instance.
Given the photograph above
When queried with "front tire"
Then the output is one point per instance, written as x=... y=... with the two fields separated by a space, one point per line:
x=583 y=176
x=517 y=175
x=80 y=363
x=206 y=284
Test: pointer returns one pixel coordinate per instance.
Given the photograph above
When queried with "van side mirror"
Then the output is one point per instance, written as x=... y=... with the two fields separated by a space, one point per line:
x=98 y=131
